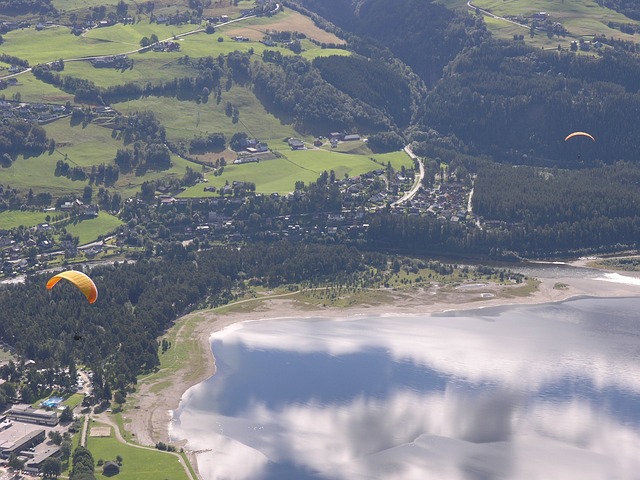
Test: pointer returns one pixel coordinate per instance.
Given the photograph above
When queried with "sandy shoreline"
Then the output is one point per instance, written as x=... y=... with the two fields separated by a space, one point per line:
x=149 y=420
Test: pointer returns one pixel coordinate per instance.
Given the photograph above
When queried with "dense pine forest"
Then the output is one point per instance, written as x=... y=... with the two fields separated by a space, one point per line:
x=139 y=301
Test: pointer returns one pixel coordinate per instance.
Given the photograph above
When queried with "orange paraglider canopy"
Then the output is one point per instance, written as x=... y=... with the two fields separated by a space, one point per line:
x=80 y=280
x=579 y=134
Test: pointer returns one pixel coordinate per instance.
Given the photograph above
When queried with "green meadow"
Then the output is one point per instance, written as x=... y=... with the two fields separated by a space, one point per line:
x=280 y=175
x=152 y=66
x=137 y=463
x=54 y=43
x=83 y=146
x=38 y=174
x=582 y=18
x=183 y=119
x=15 y=218
x=89 y=229
x=33 y=90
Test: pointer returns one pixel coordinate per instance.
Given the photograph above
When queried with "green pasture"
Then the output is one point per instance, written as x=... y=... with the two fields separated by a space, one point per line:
x=154 y=67
x=203 y=45
x=83 y=146
x=280 y=175
x=183 y=119
x=55 y=43
x=130 y=35
x=70 y=5
x=89 y=229
x=580 y=17
x=15 y=218
x=38 y=174
x=137 y=463
x=33 y=90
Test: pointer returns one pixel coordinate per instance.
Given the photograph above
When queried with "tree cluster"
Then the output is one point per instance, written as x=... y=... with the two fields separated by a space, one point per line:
x=20 y=137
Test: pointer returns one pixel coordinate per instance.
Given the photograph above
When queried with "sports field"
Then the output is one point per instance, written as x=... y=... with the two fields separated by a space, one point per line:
x=137 y=463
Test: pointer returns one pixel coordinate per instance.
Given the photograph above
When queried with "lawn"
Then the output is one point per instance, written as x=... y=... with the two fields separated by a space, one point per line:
x=89 y=229
x=137 y=463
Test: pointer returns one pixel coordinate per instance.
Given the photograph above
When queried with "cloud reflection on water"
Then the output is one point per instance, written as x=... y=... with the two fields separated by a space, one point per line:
x=495 y=418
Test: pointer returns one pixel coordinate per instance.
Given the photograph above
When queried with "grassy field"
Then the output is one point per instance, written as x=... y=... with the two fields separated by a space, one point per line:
x=33 y=90
x=582 y=18
x=137 y=463
x=280 y=175
x=183 y=119
x=54 y=43
x=89 y=229
x=83 y=146
x=150 y=66
x=15 y=218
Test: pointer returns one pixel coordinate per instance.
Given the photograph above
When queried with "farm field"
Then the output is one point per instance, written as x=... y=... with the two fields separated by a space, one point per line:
x=280 y=175
x=289 y=20
x=54 y=43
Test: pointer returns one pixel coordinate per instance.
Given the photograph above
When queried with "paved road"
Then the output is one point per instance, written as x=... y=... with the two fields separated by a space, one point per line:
x=137 y=50
x=489 y=14
x=418 y=181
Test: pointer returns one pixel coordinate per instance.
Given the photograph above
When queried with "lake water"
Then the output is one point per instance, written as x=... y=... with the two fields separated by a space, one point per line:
x=533 y=392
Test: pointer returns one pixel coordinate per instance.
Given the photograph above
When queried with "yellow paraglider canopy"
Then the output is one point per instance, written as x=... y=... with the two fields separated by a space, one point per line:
x=80 y=280
x=579 y=134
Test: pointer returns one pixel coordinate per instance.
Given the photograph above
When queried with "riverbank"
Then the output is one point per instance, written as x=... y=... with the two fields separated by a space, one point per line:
x=148 y=416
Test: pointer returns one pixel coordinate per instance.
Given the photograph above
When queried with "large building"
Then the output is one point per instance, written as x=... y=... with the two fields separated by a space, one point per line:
x=26 y=413
x=30 y=439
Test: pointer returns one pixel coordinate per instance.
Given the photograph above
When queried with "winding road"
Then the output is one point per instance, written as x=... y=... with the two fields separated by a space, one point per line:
x=416 y=184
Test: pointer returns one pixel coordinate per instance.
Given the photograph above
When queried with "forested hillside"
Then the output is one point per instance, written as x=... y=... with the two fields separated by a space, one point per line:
x=518 y=104
x=423 y=34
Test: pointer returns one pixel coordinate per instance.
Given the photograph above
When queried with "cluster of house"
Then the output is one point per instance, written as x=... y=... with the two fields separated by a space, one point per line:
x=111 y=61
x=13 y=249
x=8 y=26
x=219 y=19
x=38 y=112
x=251 y=151
x=168 y=46
x=335 y=138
